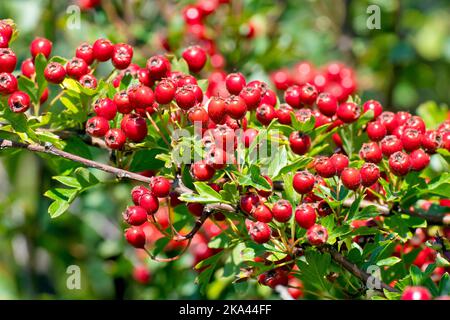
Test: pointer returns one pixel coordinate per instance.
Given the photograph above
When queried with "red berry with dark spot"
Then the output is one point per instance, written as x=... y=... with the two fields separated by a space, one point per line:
x=249 y=202
x=8 y=83
x=85 y=52
x=265 y=113
x=158 y=66
x=251 y=97
x=292 y=96
x=165 y=91
x=185 y=98
x=202 y=171
x=370 y=173
x=160 y=187
x=88 y=81
x=327 y=104
x=115 y=139
x=282 y=210
x=303 y=182
x=121 y=56
x=416 y=293
x=136 y=237
x=340 y=162
x=399 y=163
x=317 y=235
x=76 y=68
x=430 y=141
x=149 y=202
x=373 y=105
x=137 y=192
x=388 y=120
x=122 y=102
x=305 y=215
x=308 y=94
x=135 y=127
x=97 y=126
x=411 y=139
x=141 y=96
x=41 y=45
x=27 y=68
x=376 y=131
x=217 y=109
x=283 y=113
x=324 y=167
x=54 y=72
x=135 y=215
x=324 y=209
x=19 y=102
x=260 y=232
x=8 y=60
x=105 y=108
x=235 y=107
x=195 y=56
x=299 y=142
x=348 y=112
x=371 y=152
x=262 y=213
x=419 y=160
x=391 y=144
x=235 y=82
x=351 y=178
x=416 y=122
x=103 y=50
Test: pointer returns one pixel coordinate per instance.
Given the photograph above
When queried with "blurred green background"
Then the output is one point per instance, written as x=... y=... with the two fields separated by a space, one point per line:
x=402 y=64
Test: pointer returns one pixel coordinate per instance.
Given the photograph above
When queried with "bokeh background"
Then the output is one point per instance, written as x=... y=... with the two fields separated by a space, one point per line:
x=403 y=64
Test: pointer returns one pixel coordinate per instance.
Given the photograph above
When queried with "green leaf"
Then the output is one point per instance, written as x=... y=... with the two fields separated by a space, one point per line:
x=300 y=163
x=203 y=84
x=278 y=162
x=27 y=85
x=230 y=192
x=314 y=270
x=388 y=261
x=210 y=264
x=432 y=114
x=179 y=65
x=68 y=181
x=205 y=195
x=254 y=179
x=40 y=62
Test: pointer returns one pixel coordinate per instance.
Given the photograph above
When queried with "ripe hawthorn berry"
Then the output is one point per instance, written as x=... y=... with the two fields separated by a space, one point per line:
x=19 y=102
x=141 y=96
x=136 y=237
x=388 y=120
x=160 y=187
x=97 y=126
x=41 y=45
x=195 y=56
x=324 y=209
x=103 y=50
x=431 y=141
x=8 y=60
x=235 y=82
x=201 y=171
x=416 y=122
x=419 y=159
x=308 y=94
x=292 y=96
x=54 y=72
x=149 y=202
x=262 y=213
x=195 y=208
x=324 y=167
x=235 y=107
x=265 y=113
x=305 y=216
x=266 y=193
x=86 y=52
x=351 y=178
x=371 y=152
x=251 y=96
x=27 y=68
x=115 y=139
x=303 y=182
x=137 y=192
x=158 y=67
x=283 y=113
x=399 y=163
x=299 y=142
x=260 y=232
x=340 y=162
x=402 y=117
x=249 y=202
x=8 y=83
x=88 y=81
x=165 y=91
x=376 y=130
x=121 y=56
x=273 y=278
x=411 y=139
x=282 y=210
x=249 y=136
x=198 y=115
x=185 y=98
x=135 y=215
x=105 y=108
x=327 y=104
x=134 y=127
x=317 y=235
x=391 y=144
x=348 y=112
x=416 y=293
x=373 y=105
x=76 y=68
x=122 y=102
x=370 y=173
x=217 y=109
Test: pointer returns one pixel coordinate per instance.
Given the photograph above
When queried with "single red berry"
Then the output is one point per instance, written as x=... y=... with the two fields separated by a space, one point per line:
x=160 y=187
x=182 y=79
x=224 y=138
x=88 y=81
x=202 y=171
x=260 y=232
x=137 y=192
x=292 y=96
x=262 y=213
x=102 y=50
x=445 y=140
x=324 y=167
x=217 y=158
x=135 y=215
x=265 y=113
x=251 y=96
x=195 y=208
x=115 y=139
x=105 y=108
x=135 y=127
x=411 y=139
x=391 y=144
x=149 y=202
x=431 y=141
x=317 y=235
x=305 y=215
x=198 y=115
x=327 y=104
x=8 y=83
x=141 y=274
x=419 y=160
x=249 y=202
x=299 y=142
x=370 y=173
x=348 y=112
x=8 y=60
x=141 y=96
x=121 y=56
x=273 y=278
x=303 y=182
x=19 y=102
x=373 y=105
x=76 y=68
x=283 y=113
x=399 y=163
x=195 y=56
x=249 y=136
x=165 y=91
x=398 y=132
x=86 y=52
x=217 y=109
x=376 y=131
x=158 y=66
x=136 y=237
x=97 y=126
x=235 y=107
x=122 y=101
x=144 y=77
x=371 y=152
x=27 y=68
x=185 y=98
x=416 y=293
x=235 y=82
x=402 y=117
x=308 y=94
x=44 y=96
x=444 y=126
x=351 y=178
x=192 y=14
x=416 y=122
x=282 y=210
x=54 y=72
x=41 y=45
x=388 y=120
x=324 y=209
x=6 y=30
x=340 y=162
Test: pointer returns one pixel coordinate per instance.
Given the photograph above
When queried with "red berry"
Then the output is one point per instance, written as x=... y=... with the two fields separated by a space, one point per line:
x=195 y=57
x=391 y=144
x=27 y=68
x=216 y=109
x=303 y=182
x=19 y=102
x=76 y=68
x=105 y=108
x=8 y=60
x=103 y=50
x=135 y=127
x=305 y=215
x=264 y=193
x=419 y=160
x=88 y=81
x=308 y=94
x=149 y=202
x=224 y=138
x=198 y=115
x=141 y=96
x=41 y=45
x=97 y=126
x=416 y=122
x=6 y=30
x=411 y=139
x=317 y=235
x=195 y=208
x=160 y=187
x=327 y=104
x=135 y=237
x=324 y=209
x=249 y=136
x=262 y=213
x=217 y=158
x=373 y=105
x=144 y=77
x=299 y=142
x=370 y=173
x=137 y=192
x=185 y=97
x=85 y=52
x=273 y=278
x=158 y=66
x=283 y=113
x=202 y=171
x=192 y=14
x=388 y=120
x=115 y=139
x=135 y=215
x=265 y=113
x=416 y=293
x=122 y=55
x=235 y=82
x=402 y=117
x=399 y=163
x=351 y=178
x=165 y=91
x=235 y=107
x=260 y=232
x=431 y=141
x=376 y=131
x=340 y=162
x=122 y=101
x=348 y=112
x=251 y=97
x=141 y=274
x=8 y=83
x=249 y=202
x=292 y=96
x=324 y=167
x=282 y=210
x=54 y=72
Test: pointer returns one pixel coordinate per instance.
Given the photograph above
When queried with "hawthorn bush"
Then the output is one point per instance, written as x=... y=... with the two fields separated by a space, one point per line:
x=295 y=184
